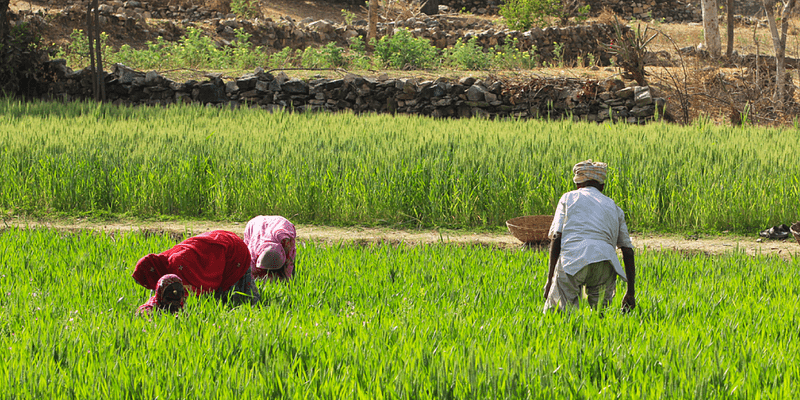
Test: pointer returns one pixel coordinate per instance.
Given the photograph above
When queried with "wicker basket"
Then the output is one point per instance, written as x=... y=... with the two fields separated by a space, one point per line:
x=530 y=228
x=795 y=229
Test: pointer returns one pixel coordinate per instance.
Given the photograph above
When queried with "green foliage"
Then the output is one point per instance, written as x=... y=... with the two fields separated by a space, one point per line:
x=245 y=8
x=392 y=321
x=22 y=57
x=349 y=17
x=345 y=169
x=402 y=50
x=522 y=15
x=468 y=55
x=76 y=52
x=526 y=14
x=281 y=59
x=558 y=54
x=358 y=57
x=328 y=56
x=242 y=53
x=196 y=49
x=509 y=56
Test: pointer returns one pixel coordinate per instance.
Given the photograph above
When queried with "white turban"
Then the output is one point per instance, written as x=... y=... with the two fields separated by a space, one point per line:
x=588 y=170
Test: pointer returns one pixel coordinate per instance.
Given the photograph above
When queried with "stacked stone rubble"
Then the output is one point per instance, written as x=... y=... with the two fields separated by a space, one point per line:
x=442 y=98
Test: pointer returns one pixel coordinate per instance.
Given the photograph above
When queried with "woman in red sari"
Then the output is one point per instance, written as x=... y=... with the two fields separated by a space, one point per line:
x=213 y=262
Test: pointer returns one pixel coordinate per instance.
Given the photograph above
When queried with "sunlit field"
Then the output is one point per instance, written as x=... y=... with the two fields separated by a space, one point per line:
x=403 y=171
x=437 y=321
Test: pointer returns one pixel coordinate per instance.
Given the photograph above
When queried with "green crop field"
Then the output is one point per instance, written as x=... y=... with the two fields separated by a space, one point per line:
x=397 y=171
x=437 y=321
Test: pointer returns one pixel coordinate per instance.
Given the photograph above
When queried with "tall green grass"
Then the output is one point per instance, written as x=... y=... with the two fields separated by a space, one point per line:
x=345 y=169
x=436 y=321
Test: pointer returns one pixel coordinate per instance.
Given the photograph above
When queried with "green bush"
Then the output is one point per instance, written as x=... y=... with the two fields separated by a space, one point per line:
x=196 y=49
x=243 y=55
x=245 y=8
x=469 y=55
x=328 y=56
x=523 y=15
x=526 y=14
x=281 y=59
x=509 y=56
x=402 y=49
x=358 y=57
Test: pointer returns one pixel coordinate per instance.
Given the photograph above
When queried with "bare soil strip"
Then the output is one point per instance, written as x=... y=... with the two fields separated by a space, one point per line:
x=712 y=245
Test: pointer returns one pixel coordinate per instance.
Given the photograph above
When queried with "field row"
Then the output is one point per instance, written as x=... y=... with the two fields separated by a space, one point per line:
x=391 y=322
x=398 y=171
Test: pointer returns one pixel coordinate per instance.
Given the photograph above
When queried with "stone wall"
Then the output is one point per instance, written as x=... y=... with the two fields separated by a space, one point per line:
x=668 y=10
x=588 y=100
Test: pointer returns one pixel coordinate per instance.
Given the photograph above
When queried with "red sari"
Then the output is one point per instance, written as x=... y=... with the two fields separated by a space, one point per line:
x=206 y=263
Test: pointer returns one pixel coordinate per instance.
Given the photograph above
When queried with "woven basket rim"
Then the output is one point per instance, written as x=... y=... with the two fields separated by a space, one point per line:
x=530 y=228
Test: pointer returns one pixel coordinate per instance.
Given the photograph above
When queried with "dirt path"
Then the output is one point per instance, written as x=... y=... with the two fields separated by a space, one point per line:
x=786 y=249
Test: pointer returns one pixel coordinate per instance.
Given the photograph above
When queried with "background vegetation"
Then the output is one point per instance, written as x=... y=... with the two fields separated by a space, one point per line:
x=401 y=171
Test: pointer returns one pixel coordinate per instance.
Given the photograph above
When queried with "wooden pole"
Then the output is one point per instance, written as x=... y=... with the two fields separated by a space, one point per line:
x=101 y=82
x=730 y=28
x=90 y=36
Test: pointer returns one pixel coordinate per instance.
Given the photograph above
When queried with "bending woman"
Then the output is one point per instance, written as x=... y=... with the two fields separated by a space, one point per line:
x=213 y=262
x=271 y=240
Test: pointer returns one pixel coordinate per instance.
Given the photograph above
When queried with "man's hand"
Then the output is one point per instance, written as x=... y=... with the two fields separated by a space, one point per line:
x=546 y=289
x=628 y=302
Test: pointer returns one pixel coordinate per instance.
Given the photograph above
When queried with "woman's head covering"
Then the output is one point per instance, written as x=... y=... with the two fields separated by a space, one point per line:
x=588 y=171
x=165 y=299
x=271 y=240
x=150 y=269
x=272 y=257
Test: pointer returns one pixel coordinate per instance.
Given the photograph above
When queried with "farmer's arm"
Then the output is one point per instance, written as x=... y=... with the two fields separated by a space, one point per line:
x=629 y=301
x=555 y=252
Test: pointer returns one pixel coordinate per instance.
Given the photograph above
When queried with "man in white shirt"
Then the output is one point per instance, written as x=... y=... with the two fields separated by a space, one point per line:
x=586 y=230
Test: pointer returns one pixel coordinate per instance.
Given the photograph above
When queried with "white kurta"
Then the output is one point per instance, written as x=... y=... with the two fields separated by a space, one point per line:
x=592 y=226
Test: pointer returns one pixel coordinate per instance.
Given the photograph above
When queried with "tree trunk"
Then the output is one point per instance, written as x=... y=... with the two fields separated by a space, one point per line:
x=4 y=28
x=372 y=31
x=779 y=44
x=431 y=7
x=730 y=28
x=711 y=28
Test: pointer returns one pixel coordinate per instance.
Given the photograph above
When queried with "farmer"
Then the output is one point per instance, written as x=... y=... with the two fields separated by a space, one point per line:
x=586 y=230
x=216 y=261
x=271 y=240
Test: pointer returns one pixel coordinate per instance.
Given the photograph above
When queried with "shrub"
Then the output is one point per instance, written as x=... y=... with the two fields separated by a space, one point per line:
x=22 y=66
x=630 y=47
x=469 y=55
x=281 y=59
x=402 y=49
x=358 y=57
x=509 y=56
x=243 y=55
x=245 y=8
x=523 y=15
x=526 y=14
x=328 y=56
x=196 y=49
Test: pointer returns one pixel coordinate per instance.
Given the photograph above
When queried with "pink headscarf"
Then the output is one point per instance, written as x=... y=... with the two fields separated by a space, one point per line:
x=267 y=233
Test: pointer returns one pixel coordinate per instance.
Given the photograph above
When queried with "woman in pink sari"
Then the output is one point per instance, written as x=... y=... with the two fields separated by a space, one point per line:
x=271 y=241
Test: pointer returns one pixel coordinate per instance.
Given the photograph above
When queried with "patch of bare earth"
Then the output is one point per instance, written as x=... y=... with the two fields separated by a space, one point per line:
x=699 y=244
